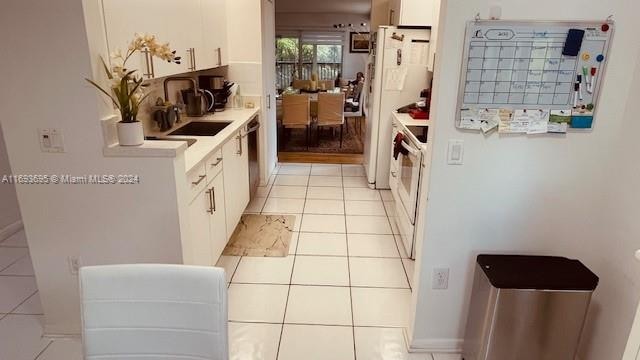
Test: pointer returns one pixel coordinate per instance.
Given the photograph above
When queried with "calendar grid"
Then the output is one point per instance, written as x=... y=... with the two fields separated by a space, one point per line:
x=490 y=82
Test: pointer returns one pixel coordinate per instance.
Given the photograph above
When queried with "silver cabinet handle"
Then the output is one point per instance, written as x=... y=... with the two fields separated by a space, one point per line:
x=391 y=13
x=218 y=161
x=219 y=56
x=202 y=177
x=193 y=56
x=148 y=60
x=239 y=137
x=211 y=209
x=268 y=101
x=191 y=52
x=213 y=199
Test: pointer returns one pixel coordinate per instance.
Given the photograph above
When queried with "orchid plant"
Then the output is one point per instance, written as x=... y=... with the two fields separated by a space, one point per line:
x=126 y=90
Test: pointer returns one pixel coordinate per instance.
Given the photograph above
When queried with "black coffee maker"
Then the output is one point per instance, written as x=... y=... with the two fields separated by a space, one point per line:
x=219 y=87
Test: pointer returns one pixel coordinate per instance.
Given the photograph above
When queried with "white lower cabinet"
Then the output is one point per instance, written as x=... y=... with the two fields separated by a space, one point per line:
x=217 y=218
x=208 y=230
x=198 y=249
x=216 y=208
x=236 y=179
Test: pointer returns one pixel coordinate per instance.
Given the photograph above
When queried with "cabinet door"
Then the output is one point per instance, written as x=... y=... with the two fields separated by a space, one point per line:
x=175 y=22
x=394 y=12
x=123 y=20
x=217 y=220
x=236 y=179
x=197 y=249
x=186 y=29
x=214 y=34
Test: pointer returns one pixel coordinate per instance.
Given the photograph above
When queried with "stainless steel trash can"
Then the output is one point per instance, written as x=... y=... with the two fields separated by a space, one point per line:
x=527 y=308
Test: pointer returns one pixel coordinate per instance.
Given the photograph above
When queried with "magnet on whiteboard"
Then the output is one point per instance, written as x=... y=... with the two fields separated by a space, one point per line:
x=605 y=27
x=586 y=56
x=600 y=58
x=495 y=12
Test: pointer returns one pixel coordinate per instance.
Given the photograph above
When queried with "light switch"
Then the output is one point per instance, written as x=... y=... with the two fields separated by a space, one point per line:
x=455 y=152
x=51 y=140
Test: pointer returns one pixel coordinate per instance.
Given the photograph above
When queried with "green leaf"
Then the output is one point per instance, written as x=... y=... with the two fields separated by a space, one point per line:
x=104 y=92
x=106 y=68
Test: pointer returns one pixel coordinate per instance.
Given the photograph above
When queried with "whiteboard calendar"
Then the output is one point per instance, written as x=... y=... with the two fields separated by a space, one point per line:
x=515 y=66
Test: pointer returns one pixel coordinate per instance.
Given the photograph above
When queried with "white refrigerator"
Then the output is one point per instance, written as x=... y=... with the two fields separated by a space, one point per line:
x=397 y=72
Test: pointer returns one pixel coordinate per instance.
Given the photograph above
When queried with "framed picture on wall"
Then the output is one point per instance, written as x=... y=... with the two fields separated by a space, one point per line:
x=359 y=42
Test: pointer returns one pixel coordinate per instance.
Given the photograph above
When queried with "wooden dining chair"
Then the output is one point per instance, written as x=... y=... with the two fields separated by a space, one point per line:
x=331 y=112
x=296 y=113
x=354 y=108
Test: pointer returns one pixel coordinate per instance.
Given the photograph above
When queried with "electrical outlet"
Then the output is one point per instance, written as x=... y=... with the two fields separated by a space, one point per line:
x=440 y=279
x=74 y=264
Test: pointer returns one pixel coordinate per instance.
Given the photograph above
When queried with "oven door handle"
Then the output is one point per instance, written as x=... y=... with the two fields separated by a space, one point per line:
x=410 y=149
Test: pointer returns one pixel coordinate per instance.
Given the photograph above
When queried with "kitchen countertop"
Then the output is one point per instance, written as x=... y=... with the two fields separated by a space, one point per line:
x=206 y=145
x=407 y=120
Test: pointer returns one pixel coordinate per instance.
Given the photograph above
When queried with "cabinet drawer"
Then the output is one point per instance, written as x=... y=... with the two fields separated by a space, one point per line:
x=196 y=180
x=214 y=164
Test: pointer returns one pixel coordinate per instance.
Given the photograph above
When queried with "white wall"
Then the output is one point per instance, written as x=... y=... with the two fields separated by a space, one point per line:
x=352 y=62
x=9 y=210
x=101 y=224
x=612 y=256
x=516 y=194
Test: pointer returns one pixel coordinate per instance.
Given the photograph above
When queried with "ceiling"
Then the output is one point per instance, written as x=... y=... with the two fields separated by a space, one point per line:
x=362 y=7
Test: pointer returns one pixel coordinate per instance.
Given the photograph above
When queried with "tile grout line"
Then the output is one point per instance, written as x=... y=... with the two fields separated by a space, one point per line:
x=27 y=299
x=18 y=259
x=286 y=304
x=43 y=350
x=353 y=329
x=22 y=302
x=406 y=274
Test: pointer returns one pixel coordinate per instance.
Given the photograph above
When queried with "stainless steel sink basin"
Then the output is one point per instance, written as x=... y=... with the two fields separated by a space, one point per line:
x=188 y=140
x=201 y=128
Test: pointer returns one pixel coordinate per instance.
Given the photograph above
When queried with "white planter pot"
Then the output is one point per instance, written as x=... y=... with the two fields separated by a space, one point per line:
x=130 y=134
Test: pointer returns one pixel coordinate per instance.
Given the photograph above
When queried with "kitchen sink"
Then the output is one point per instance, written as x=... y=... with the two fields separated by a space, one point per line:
x=201 y=128
x=188 y=140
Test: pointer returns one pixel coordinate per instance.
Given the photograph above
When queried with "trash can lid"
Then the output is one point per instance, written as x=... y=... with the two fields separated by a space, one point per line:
x=537 y=272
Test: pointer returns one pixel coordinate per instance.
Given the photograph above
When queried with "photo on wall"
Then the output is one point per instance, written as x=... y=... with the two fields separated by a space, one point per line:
x=359 y=42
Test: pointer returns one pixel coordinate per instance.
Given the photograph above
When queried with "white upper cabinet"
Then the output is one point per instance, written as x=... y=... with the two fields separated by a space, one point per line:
x=214 y=34
x=413 y=12
x=187 y=32
x=196 y=29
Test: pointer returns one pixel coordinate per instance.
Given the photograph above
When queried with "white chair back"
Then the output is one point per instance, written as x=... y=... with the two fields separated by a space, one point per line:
x=149 y=311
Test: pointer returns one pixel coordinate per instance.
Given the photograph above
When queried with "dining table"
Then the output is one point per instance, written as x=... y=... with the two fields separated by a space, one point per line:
x=313 y=101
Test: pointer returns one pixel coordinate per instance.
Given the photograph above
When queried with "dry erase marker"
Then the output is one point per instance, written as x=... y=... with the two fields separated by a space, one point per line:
x=576 y=89
x=585 y=76
x=579 y=82
x=593 y=79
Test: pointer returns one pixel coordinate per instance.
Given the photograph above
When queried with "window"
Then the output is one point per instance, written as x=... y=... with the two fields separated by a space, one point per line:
x=301 y=55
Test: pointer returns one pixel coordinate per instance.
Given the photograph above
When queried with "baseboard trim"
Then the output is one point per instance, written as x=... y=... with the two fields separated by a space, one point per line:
x=9 y=230
x=450 y=346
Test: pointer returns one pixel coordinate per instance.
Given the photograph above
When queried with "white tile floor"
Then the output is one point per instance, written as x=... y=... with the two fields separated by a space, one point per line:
x=342 y=293
x=21 y=312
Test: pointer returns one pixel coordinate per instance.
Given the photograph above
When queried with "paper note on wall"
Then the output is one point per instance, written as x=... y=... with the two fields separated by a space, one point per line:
x=395 y=78
x=505 y=116
x=469 y=119
x=489 y=119
x=538 y=121
x=419 y=53
x=559 y=121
